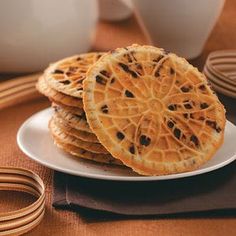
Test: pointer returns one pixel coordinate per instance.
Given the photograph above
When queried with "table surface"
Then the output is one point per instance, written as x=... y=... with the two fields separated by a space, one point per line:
x=61 y=222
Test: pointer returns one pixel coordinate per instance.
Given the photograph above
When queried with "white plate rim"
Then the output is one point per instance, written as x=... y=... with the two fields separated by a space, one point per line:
x=108 y=177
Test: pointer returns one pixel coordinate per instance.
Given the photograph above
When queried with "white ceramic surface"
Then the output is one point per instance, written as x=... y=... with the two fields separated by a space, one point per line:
x=37 y=32
x=34 y=140
x=115 y=10
x=180 y=26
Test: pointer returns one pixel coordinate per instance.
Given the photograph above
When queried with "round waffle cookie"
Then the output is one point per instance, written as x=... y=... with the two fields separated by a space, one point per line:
x=83 y=135
x=153 y=110
x=56 y=96
x=75 y=121
x=74 y=110
x=67 y=75
x=84 y=154
x=58 y=133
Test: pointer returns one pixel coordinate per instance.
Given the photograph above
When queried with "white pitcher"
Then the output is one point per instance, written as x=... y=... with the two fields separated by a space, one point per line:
x=180 y=26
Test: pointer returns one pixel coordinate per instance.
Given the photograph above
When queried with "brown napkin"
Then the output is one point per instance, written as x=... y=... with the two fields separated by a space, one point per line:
x=211 y=191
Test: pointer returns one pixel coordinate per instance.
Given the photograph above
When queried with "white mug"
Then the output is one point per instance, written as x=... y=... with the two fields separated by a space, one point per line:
x=180 y=26
x=37 y=32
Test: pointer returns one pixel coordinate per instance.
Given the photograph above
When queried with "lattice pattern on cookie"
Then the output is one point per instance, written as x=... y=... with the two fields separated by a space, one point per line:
x=80 y=134
x=67 y=75
x=61 y=135
x=153 y=110
x=56 y=96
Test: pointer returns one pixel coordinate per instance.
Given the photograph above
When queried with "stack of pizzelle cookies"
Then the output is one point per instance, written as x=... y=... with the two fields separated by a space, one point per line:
x=62 y=84
x=139 y=106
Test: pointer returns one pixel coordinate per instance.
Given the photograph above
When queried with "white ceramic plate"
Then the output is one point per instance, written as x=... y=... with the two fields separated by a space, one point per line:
x=35 y=141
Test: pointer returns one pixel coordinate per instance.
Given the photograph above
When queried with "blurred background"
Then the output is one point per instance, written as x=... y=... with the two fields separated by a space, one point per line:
x=35 y=33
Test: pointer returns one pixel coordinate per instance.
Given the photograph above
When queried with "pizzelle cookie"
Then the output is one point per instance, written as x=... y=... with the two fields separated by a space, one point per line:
x=74 y=120
x=81 y=153
x=67 y=75
x=56 y=96
x=58 y=133
x=83 y=135
x=74 y=110
x=153 y=110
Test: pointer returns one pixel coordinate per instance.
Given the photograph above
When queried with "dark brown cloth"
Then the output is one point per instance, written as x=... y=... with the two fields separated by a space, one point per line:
x=212 y=191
